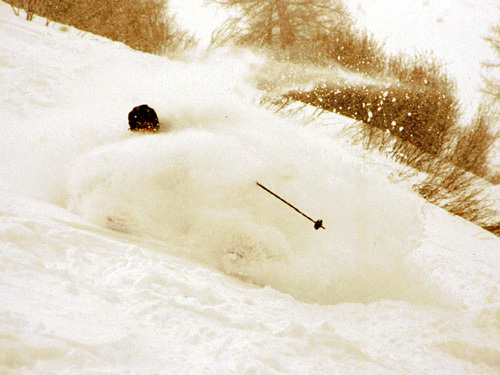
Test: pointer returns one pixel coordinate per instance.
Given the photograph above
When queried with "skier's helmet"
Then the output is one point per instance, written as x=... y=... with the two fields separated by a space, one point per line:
x=143 y=118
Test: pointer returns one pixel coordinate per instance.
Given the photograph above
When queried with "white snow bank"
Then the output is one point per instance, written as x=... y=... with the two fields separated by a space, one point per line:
x=79 y=298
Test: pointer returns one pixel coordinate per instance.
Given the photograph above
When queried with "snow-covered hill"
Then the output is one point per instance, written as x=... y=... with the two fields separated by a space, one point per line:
x=158 y=254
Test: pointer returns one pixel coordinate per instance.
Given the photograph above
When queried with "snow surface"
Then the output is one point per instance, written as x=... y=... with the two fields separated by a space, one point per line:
x=158 y=254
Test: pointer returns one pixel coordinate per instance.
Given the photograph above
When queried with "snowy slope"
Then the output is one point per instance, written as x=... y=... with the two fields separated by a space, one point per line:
x=208 y=273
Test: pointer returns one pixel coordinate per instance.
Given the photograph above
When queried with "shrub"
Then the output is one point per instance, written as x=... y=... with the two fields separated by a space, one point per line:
x=419 y=115
x=141 y=24
x=469 y=147
x=421 y=69
x=350 y=47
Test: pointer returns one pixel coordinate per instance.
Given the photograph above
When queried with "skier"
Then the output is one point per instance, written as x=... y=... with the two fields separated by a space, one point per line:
x=144 y=119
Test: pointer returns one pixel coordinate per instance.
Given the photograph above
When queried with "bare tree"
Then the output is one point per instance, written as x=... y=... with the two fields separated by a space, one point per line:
x=281 y=23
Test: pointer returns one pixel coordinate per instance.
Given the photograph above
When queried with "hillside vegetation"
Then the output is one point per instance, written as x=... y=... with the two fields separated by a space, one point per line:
x=141 y=24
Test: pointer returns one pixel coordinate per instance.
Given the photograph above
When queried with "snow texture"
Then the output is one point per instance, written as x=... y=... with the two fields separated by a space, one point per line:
x=157 y=253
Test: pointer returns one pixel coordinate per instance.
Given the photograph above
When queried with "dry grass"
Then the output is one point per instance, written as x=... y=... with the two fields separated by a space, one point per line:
x=141 y=24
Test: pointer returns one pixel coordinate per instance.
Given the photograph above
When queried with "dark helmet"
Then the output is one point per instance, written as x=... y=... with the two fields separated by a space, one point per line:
x=143 y=118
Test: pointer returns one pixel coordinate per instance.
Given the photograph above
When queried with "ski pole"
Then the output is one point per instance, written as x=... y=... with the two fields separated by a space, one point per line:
x=317 y=223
